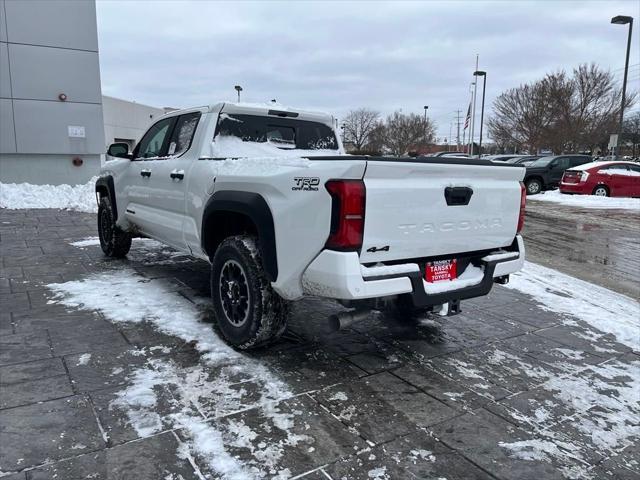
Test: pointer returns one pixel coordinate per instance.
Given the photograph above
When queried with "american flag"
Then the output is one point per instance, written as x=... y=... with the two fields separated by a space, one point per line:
x=466 y=122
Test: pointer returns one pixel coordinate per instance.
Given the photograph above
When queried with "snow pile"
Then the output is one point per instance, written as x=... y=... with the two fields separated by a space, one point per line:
x=81 y=198
x=601 y=308
x=587 y=201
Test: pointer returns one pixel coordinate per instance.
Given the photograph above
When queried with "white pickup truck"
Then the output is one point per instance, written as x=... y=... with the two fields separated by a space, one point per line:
x=266 y=195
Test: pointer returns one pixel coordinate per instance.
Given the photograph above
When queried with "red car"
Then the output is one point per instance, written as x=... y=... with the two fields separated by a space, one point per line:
x=605 y=179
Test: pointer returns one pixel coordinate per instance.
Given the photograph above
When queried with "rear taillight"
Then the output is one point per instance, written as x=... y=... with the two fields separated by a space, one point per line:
x=347 y=214
x=583 y=176
x=523 y=202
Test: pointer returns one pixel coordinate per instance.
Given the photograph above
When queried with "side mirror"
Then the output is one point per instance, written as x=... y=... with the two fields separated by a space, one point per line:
x=119 y=150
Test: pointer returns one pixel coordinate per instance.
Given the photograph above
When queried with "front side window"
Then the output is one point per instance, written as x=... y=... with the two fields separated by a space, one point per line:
x=183 y=133
x=284 y=133
x=154 y=142
x=561 y=163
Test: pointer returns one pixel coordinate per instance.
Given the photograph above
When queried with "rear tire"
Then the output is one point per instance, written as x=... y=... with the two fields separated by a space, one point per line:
x=534 y=186
x=248 y=311
x=114 y=242
x=601 y=191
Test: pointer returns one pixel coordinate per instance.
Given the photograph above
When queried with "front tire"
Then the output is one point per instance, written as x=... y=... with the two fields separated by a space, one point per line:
x=114 y=242
x=248 y=311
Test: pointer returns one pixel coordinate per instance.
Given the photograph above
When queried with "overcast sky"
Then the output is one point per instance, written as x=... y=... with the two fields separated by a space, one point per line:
x=336 y=56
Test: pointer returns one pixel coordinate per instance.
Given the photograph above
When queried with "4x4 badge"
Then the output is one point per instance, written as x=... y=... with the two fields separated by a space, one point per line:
x=376 y=249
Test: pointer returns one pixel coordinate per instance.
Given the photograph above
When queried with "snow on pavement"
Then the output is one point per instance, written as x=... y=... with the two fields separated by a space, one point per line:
x=81 y=198
x=598 y=402
x=603 y=309
x=125 y=297
x=587 y=201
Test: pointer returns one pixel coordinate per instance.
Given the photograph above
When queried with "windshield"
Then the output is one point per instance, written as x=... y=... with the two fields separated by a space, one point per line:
x=542 y=162
x=283 y=133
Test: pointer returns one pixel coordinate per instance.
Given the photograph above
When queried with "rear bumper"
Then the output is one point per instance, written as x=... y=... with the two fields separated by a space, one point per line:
x=340 y=275
x=573 y=188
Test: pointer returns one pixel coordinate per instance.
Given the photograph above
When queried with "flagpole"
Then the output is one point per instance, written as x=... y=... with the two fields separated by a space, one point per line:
x=473 y=115
x=467 y=120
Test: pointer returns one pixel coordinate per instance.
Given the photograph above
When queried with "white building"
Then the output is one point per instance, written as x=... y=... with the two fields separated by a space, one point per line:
x=55 y=124
x=126 y=121
x=51 y=128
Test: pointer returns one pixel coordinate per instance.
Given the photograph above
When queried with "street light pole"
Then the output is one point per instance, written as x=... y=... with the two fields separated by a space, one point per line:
x=623 y=20
x=426 y=107
x=479 y=73
x=238 y=89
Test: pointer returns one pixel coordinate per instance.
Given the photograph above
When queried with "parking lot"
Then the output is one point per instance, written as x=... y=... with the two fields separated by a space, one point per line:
x=112 y=369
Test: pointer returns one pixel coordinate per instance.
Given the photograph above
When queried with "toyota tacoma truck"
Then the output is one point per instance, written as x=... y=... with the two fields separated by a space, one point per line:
x=268 y=197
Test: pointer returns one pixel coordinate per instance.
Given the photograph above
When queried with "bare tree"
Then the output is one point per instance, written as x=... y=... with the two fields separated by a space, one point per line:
x=402 y=132
x=631 y=132
x=358 y=126
x=521 y=116
x=565 y=113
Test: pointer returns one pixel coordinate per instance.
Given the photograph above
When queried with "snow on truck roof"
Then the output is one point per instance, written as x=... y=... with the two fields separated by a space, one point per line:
x=264 y=109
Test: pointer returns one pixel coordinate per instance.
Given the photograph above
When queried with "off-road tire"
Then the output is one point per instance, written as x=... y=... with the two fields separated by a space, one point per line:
x=534 y=186
x=236 y=261
x=114 y=242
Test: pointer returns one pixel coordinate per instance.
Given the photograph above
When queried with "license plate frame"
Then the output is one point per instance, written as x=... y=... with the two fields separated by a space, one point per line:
x=441 y=270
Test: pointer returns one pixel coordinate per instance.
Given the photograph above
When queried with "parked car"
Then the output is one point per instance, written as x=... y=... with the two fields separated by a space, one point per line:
x=442 y=154
x=268 y=198
x=524 y=161
x=502 y=157
x=546 y=172
x=605 y=179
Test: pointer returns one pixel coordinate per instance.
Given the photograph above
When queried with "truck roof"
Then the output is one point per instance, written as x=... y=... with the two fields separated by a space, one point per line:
x=263 y=109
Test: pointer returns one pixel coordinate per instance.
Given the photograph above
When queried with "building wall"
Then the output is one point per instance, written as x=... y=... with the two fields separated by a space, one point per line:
x=126 y=121
x=49 y=48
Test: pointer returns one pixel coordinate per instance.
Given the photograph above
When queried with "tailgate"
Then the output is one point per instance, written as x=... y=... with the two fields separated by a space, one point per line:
x=416 y=210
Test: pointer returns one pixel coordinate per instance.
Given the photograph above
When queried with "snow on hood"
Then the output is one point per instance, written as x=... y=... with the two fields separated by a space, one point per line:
x=82 y=198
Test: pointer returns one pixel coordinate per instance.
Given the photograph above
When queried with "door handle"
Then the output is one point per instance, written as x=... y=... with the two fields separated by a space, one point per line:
x=458 y=195
x=179 y=174
x=145 y=173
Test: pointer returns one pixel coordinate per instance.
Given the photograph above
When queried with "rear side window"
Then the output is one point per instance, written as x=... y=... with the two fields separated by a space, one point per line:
x=579 y=161
x=183 y=133
x=613 y=168
x=283 y=133
x=154 y=142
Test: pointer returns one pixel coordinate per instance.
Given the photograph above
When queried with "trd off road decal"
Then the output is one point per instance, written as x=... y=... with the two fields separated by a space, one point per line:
x=306 y=184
